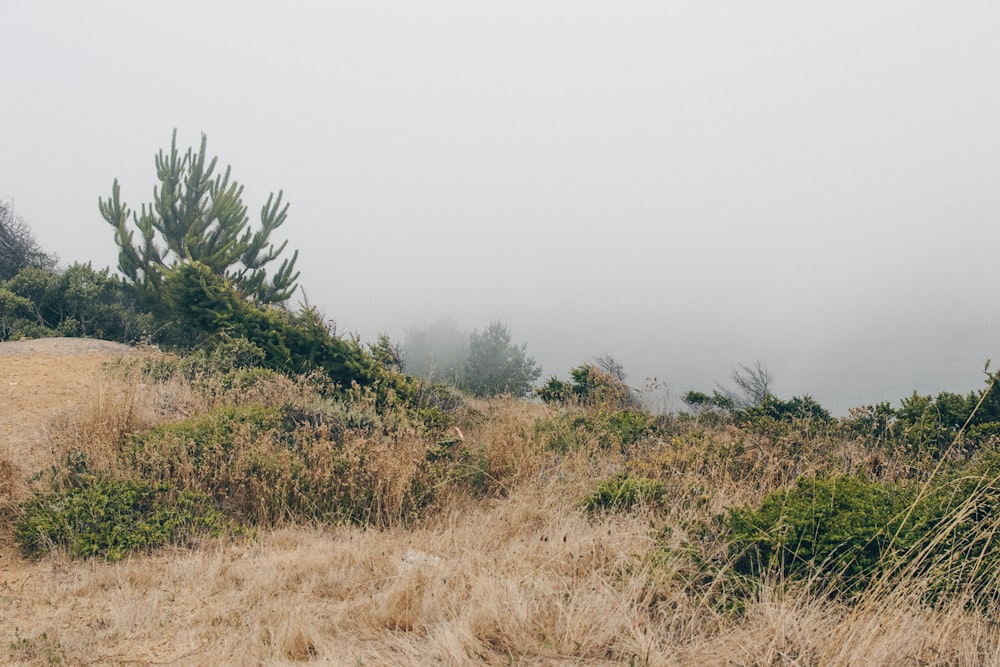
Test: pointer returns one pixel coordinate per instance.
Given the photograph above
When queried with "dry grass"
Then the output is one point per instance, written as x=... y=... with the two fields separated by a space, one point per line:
x=11 y=490
x=509 y=570
x=520 y=582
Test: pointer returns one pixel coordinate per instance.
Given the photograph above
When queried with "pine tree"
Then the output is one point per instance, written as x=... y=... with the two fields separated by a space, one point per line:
x=195 y=217
x=496 y=365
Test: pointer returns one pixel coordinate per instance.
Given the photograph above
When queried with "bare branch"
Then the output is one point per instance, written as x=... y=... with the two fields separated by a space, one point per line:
x=19 y=248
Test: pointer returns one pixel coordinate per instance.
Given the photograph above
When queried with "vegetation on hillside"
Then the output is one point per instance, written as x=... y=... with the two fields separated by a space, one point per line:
x=648 y=534
x=684 y=528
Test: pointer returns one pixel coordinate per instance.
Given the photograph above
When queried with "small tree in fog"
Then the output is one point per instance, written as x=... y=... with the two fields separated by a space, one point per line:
x=436 y=352
x=753 y=389
x=611 y=367
x=753 y=385
x=497 y=366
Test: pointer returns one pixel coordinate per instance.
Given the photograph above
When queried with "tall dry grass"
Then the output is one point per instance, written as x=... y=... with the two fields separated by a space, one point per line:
x=506 y=568
x=11 y=491
x=523 y=581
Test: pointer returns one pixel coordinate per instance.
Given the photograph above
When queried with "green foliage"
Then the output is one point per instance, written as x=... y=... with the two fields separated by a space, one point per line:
x=623 y=493
x=926 y=427
x=842 y=534
x=214 y=369
x=625 y=427
x=77 y=301
x=563 y=433
x=554 y=390
x=763 y=414
x=929 y=425
x=599 y=410
x=833 y=532
x=951 y=538
x=872 y=423
x=386 y=354
x=701 y=402
x=195 y=217
x=799 y=419
x=15 y=310
x=290 y=343
x=797 y=408
x=753 y=405
x=111 y=518
x=496 y=366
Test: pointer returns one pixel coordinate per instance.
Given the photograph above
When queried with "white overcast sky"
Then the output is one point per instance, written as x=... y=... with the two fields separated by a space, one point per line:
x=684 y=185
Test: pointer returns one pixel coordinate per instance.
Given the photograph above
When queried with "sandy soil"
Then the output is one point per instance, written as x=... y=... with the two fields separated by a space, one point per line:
x=42 y=380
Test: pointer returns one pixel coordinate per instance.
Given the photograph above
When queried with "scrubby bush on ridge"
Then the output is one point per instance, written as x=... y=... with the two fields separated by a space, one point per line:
x=103 y=516
x=271 y=451
x=845 y=535
x=589 y=385
x=76 y=301
x=929 y=427
x=625 y=492
x=833 y=532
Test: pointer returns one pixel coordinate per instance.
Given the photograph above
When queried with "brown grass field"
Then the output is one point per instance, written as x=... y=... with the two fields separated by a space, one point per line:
x=516 y=573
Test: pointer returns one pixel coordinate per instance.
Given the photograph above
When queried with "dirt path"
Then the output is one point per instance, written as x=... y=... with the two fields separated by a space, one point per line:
x=42 y=380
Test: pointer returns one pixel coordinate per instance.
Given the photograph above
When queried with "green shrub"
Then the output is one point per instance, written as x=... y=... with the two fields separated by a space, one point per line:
x=76 y=301
x=554 y=390
x=629 y=427
x=291 y=343
x=102 y=516
x=843 y=533
x=219 y=453
x=952 y=538
x=833 y=532
x=624 y=492
x=924 y=428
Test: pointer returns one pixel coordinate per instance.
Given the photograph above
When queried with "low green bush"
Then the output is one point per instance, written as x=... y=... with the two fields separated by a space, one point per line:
x=927 y=428
x=590 y=386
x=626 y=426
x=111 y=518
x=624 y=492
x=841 y=534
x=834 y=532
x=562 y=433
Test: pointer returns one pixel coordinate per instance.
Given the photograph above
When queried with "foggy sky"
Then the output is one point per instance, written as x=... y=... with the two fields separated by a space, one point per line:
x=685 y=185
